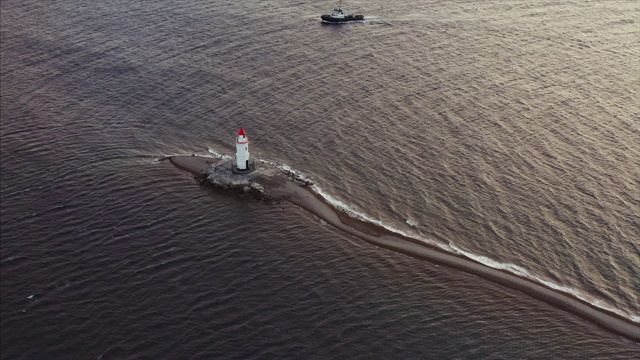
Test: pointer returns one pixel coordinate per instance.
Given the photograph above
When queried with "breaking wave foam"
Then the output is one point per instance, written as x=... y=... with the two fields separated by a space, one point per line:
x=218 y=155
x=520 y=271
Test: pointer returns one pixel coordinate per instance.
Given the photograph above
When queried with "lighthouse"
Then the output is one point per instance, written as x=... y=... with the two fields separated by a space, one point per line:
x=242 y=151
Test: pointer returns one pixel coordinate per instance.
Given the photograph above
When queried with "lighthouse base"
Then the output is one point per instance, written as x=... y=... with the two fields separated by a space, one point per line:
x=251 y=168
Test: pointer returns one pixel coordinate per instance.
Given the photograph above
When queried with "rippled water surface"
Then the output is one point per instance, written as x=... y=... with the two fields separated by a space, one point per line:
x=508 y=131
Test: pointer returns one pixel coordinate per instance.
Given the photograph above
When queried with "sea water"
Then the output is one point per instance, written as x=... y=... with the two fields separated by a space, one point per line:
x=505 y=131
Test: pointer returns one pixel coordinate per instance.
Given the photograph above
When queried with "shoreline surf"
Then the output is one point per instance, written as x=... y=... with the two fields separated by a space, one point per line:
x=280 y=187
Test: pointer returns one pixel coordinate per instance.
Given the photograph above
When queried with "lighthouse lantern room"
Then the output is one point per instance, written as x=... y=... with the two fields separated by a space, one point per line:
x=242 y=151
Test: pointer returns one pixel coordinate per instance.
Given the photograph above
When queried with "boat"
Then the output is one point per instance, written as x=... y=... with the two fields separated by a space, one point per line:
x=338 y=16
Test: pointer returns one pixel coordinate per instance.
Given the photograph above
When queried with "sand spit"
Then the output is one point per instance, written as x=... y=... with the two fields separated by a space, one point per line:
x=272 y=184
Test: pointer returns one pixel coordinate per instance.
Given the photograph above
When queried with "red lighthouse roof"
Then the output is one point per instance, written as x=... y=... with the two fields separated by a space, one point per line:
x=241 y=132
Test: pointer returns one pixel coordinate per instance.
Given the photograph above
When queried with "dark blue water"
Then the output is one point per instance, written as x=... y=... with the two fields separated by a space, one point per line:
x=500 y=132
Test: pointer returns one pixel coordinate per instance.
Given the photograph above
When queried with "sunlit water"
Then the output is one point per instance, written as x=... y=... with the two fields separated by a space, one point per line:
x=506 y=131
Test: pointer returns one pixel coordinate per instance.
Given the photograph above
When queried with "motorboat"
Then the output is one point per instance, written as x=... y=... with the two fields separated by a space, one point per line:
x=338 y=16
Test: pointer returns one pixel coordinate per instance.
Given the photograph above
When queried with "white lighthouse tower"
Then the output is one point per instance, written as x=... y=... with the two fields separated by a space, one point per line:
x=242 y=151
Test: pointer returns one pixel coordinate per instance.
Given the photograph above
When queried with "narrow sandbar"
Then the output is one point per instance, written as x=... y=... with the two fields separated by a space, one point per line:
x=278 y=185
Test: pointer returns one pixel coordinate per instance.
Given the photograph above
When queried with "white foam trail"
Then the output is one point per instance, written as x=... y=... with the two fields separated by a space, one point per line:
x=355 y=214
x=336 y=203
x=518 y=270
